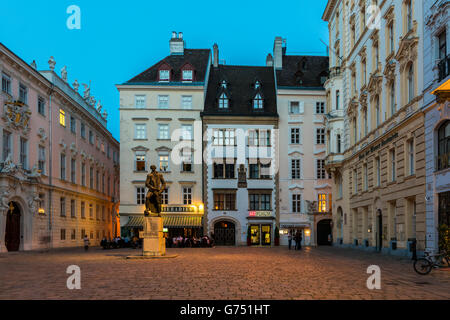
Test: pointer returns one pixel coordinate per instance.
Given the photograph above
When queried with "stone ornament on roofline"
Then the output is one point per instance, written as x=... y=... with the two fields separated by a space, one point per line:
x=76 y=85
x=52 y=63
x=64 y=73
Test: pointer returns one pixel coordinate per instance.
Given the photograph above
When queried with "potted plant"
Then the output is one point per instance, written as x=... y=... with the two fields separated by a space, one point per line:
x=277 y=236
x=249 y=236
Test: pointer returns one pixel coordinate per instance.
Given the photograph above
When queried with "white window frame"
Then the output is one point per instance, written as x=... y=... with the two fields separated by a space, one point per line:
x=163 y=102
x=163 y=134
x=140 y=101
x=186 y=102
x=140 y=131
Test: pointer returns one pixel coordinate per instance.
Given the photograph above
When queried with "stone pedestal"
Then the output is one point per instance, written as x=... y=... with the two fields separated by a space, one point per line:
x=154 y=244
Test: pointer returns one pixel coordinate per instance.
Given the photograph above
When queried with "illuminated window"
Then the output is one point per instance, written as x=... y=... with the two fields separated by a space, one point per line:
x=258 y=102
x=223 y=101
x=322 y=202
x=62 y=117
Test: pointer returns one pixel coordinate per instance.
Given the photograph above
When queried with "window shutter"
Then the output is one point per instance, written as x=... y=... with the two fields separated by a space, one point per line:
x=302 y=107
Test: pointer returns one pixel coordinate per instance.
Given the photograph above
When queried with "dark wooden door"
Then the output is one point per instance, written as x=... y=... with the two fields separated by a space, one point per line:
x=224 y=234
x=323 y=230
x=12 y=232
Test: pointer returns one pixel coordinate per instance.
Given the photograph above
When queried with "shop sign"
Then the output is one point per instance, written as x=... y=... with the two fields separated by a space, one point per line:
x=260 y=213
x=378 y=146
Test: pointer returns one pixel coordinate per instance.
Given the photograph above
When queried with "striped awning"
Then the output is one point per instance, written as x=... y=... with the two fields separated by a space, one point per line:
x=169 y=221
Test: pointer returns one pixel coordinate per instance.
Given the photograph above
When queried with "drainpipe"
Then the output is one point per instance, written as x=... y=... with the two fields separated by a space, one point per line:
x=50 y=167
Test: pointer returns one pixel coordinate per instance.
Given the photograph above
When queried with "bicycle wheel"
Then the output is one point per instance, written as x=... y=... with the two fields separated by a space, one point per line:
x=422 y=266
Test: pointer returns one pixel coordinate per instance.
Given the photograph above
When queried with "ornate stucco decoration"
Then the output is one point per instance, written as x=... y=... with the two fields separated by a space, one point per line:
x=363 y=54
x=33 y=203
x=389 y=15
x=374 y=86
x=438 y=15
x=407 y=51
x=9 y=166
x=91 y=158
x=83 y=155
x=363 y=100
x=73 y=149
x=62 y=144
x=42 y=135
x=389 y=70
x=352 y=107
x=311 y=206
x=17 y=116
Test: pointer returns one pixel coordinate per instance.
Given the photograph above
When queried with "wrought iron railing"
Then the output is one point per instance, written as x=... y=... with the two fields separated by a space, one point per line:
x=444 y=68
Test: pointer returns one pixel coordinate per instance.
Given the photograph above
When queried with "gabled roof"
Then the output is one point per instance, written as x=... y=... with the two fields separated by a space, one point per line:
x=241 y=91
x=197 y=58
x=293 y=72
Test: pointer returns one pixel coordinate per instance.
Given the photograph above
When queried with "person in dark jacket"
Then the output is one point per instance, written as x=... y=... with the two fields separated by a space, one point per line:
x=290 y=239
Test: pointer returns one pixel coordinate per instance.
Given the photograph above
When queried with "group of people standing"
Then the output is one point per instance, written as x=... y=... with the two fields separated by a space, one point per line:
x=297 y=237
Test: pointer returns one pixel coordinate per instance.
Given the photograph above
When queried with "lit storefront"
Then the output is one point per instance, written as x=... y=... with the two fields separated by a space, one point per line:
x=293 y=228
x=261 y=228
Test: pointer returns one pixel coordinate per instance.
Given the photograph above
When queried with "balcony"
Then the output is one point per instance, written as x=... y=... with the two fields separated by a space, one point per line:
x=334 y=72
x=444 y=68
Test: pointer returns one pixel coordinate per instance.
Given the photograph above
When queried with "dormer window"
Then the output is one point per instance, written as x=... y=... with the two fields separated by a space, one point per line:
x=223 y=101
x=187 y=75
x=258 y=102
x=164 y=75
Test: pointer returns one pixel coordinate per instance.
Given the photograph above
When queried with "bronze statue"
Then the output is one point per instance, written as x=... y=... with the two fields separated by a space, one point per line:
x=156 y=185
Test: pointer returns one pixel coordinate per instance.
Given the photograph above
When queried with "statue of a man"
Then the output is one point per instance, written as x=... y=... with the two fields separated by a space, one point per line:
x=156 y=185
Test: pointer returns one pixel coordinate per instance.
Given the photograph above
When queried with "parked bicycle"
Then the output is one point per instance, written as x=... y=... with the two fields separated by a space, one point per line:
x=423 y=266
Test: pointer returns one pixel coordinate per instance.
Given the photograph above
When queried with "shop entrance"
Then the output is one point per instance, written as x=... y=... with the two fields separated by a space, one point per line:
x=261 y=234
x=323 y=231
x=224 y=233
x=12 y=232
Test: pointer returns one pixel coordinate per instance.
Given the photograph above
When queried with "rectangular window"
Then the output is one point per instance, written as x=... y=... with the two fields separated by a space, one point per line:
x=366 y=178
x=259 y=201
x=91 y=137
x=140 y=195
x=186 y=131
x=187 y=195
x=322 y=201
x=6 y=83
x=320 y=107
x=186 y=102
x=165 y=196
x=91 y=211
x=411 y=156
x=41 y=106
x=97 y=180
x=63 y=166
x=295 y=135
x=186 y=160
x=140 y=131
x=187 y=75
x=73 y=234
x=391 y=38
x=442 y=50
x=378 y=169
x=224 y=137
x=73 y=168
x=73 y=125
x=140 y=161
x=7 y=150
x=224 y=200
x=97 y=212
x=23 y=156
x=83 y=174
x=83 y=130
x=163 y=102
x=294 y=107
x=320 y=136
x=297 y=203
x=83 y=210
x=63 y=234
x=393 y=164
x=72 y=208
x=62 y=207
x=103 y=213
x=91 y=177
x=164 y=162
x=163 y=132
x=62 y=117
x=164 y=75
x=320 y=167
x=41 y=159
x=337 y=100
x=295 y=169
x=224 y=169
x=139 y=101
x=355 y=181
x=23 y=93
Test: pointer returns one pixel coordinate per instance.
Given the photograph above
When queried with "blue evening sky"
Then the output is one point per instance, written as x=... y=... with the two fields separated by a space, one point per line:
x=119 y=39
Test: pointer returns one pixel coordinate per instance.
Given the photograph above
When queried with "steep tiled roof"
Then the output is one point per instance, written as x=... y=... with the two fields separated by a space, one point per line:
x=197 y=58
x=240 y=89
x=302 y=71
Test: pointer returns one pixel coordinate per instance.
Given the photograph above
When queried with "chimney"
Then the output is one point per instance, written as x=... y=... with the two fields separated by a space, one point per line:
x=215 y=55
x=176 y=44
x=269 y=60
x=278 y=53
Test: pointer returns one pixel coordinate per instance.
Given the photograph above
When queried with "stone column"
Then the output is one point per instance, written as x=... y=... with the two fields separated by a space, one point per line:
x=154 y=244
x=2 y=230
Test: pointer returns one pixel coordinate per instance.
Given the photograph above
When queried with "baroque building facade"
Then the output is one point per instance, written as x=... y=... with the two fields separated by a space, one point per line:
x=59 y=172
x=379 y=173
x=161 y=125
x=436 y=70
x=305 y=187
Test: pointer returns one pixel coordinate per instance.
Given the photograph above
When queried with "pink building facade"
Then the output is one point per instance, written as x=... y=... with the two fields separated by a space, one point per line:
x=59 y=165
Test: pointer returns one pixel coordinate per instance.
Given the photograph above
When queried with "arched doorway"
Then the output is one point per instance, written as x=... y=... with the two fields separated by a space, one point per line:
x=12 y=231
x=340 y=225
x=224 y=233
x=323 y=231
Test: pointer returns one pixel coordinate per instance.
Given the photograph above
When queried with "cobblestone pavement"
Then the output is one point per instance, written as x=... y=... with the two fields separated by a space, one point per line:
x=217 y=273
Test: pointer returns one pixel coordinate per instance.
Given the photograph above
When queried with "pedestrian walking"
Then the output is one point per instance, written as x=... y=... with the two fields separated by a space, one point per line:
x=290 y=239
x=300 y=238
x=86 y=242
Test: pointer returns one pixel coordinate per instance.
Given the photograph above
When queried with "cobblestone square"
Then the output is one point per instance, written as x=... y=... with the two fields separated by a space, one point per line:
x=217 y=273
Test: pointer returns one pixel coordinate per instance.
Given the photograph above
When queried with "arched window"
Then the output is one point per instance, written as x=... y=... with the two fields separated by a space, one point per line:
x=444 y=146
x=258 y=102
x=392 y=92
x=411 y=82
x=223 y=101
